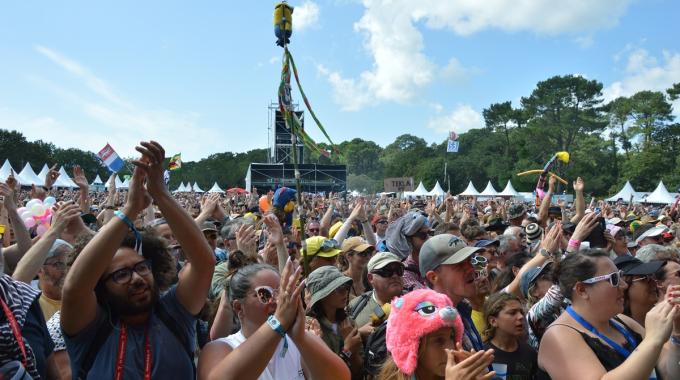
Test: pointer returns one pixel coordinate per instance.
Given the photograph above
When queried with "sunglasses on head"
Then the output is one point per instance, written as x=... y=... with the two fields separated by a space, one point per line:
x=329 y=244
x=614 y=279
x=390 y=271
x=266 y=294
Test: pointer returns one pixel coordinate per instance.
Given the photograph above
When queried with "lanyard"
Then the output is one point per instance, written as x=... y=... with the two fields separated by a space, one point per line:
x=122 y=342
x=629 y=338
x=16 y=331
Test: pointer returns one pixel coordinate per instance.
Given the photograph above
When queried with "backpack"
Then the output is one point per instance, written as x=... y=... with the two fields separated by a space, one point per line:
x=104 y=332
x=375 y=350
x=354 y=311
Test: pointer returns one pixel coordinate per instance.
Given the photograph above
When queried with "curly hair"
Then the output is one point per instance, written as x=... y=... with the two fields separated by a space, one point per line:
x=493 y=307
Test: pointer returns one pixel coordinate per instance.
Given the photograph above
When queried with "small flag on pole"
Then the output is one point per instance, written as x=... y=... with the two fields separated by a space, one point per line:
x=453 y=144
x=175 y=162
x=166 y=177
x=111 y=159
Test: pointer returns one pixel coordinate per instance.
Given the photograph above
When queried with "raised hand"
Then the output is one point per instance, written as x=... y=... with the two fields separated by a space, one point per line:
x=288 y=302
x=585 y=226
x=474 y=367
x=79 y=177
x=51 y=176
x=64 y=214
x=246 y=240
x=551 y=241
x=578 y=184
x=137 y=197
x=7 y=197
x=274 y=229
x=151 y=163
x=12 y=181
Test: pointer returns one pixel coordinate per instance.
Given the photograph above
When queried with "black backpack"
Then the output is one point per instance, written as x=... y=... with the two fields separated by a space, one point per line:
x=375 y=350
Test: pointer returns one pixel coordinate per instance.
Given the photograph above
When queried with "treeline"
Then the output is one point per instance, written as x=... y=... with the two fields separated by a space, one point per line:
x=633 y=138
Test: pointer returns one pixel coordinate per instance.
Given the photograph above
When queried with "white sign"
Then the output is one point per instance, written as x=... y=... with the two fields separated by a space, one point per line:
x=452 y=146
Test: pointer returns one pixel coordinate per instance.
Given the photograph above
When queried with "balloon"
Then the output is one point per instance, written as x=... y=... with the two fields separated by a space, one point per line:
x=21 y=210
x=32 y=203
x=42 y=229
x=29 y=222
x=49 y=201
x=264 y=204
x=38 y=210
x=26 y=215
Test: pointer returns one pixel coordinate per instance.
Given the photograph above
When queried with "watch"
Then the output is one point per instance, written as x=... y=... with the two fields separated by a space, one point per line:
x=545 y=252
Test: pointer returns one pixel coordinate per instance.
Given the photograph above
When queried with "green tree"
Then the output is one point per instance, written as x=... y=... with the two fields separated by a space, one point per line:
x=650 y=110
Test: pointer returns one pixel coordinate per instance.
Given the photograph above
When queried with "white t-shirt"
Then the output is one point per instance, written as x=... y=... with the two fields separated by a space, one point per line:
x=286 y=367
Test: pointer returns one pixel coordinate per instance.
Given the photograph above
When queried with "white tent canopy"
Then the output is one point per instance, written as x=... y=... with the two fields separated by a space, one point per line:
x=180 y=188
x=215 y=189
x=97 y=181
x=625 y=193
x=470 y=190
x=5 y=171
x=437 y=190
x=659 y=195
x=43 y=172
x=489 y=190
x=28 y=177
x=197 y=189
x=119 y=184
x=125 y=184
x=420 y=190
x=64 y=180
x=509 y=191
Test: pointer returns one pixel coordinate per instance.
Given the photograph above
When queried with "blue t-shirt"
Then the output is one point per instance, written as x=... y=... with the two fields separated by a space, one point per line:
x=169 y=357
x=36 y=335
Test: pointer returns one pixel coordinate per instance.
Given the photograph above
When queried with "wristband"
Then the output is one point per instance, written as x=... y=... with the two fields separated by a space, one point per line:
x=545 y=252
x=574 y=243
x=278 y=328
x=675 y=340
x=131 y=226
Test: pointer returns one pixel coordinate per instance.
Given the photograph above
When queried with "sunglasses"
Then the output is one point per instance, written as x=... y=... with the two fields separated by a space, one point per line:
x=266 y=294
x=381 y=222
x=328 y=245
x=390 y=271
x=123 y=276
x=614 y=279
x=479 y=261
x=366 y=253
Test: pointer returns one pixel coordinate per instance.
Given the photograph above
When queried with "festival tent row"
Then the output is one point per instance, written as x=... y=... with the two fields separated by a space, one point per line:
x=660 y=195
x=28 y=177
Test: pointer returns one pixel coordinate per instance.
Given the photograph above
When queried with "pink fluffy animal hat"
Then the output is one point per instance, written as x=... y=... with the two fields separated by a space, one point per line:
x=413 y=316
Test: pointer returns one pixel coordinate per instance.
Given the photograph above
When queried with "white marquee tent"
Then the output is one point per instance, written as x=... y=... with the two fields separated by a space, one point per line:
x=420 y=190
x=625 y=193
x=97 y=181
x=5 y=170
x=125 y=184
x=215 y=189
x=489 y=191
x=64 y=180
x=470 y=190
x=659 y=195
x=437 y=190
x=509 y=191
x=196 y=189
x=27 y=176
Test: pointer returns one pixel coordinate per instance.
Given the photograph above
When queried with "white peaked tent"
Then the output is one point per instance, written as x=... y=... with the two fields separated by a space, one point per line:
x=43 y=172
x=437 y=190
x=119 y=184
x=5 y=171
x=624 y=193
x=420 y=190
x=97 y=181
x=215 y=189
x=196 y=189
x=489 y=191
x=470 y=190
x=180 y=188
x=27 y=176
x=660 y=195
x=64 y=180
x=125 y=184
x=509 y=191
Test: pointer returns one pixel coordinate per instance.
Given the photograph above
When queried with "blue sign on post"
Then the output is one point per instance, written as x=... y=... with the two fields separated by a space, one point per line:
x=452 y=146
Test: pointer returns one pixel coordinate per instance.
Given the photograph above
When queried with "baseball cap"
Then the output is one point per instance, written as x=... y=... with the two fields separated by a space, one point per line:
x=59 y=247
x=443 y=249
x=356 y=243
x=208 y=226
x=530 y=276
x=486 y=243
x=615 y=220
x=322 y=247
x=381 y=260
x=634 y=267
x=652 y=232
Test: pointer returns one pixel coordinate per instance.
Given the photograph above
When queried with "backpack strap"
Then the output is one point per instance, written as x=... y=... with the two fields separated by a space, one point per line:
x=91 y=354
x=363 y=300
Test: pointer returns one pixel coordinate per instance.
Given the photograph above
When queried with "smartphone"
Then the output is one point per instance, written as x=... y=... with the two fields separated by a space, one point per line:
x=596 y=237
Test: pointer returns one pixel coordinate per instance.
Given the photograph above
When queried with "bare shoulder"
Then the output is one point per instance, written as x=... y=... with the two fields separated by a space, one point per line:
x=561 y=346
x=632 y=324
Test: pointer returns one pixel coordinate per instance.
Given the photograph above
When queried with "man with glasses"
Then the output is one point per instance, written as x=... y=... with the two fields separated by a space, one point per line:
x=385 y=272
x=51 y=277
x=313 y=228
x=446 y=262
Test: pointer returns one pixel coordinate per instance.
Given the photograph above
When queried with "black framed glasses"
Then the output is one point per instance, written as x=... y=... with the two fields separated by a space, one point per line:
x=58 y=265
x=390 y=271
x=123 y=276
x=266 y=294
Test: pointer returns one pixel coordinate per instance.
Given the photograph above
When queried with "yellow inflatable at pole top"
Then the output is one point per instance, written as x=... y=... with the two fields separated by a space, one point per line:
x=283 y=23
x=539 y=171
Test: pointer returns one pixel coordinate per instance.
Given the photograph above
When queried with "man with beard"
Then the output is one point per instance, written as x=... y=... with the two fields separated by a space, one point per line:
x=114 y=320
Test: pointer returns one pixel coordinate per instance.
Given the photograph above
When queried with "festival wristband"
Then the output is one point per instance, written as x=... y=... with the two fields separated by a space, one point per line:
x=574 y=243
x=131 y=226
x=675 y=340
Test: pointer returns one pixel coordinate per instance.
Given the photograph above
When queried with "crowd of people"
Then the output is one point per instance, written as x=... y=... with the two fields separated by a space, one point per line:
x=144 y=283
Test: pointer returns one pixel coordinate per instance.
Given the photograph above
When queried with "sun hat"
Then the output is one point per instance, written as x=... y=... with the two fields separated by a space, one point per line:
x=534 y=232
x=413 y=316
x=323 y=281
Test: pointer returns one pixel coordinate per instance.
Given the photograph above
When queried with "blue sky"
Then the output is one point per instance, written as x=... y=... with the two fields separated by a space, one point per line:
x=198 y=76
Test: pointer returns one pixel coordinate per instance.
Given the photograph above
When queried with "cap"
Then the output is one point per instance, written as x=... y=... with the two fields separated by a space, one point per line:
x=323 y=281
x=615 y=220
x=486 y=243
x=530 y=276
x=652 y=232
x=516 y=210
x=443 y=249
x=497 y=224
x=534 y=232
x=59 y=247
x=381 y=260
x=634 y=267
x=208 y=226
x=334 y=229
x=322 y=247
x=356 y=244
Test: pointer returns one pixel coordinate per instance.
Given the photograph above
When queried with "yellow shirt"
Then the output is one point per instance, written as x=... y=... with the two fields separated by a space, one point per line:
x=480 y=323
x=49 y=306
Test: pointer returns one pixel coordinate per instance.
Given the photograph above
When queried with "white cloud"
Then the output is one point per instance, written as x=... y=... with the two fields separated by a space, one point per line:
x=274 y=59
x=585 y=41
x=109 y=117
x=645 y=72
x=400 y=67
x=455 y=72
x=305 y=16
x=462 y=119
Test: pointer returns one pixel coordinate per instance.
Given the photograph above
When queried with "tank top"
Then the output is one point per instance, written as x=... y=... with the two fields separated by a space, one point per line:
x=286 y=367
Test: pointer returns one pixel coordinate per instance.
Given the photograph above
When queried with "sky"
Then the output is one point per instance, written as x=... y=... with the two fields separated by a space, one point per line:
x=198 y=76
